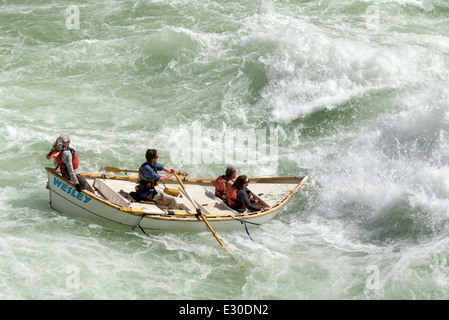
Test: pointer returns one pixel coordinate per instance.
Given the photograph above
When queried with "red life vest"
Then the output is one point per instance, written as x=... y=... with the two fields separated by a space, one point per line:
x=231 y=193
x=57 y=155
x=220 y=185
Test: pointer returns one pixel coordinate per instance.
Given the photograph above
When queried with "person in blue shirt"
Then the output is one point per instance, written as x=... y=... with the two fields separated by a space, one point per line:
x=149 y=179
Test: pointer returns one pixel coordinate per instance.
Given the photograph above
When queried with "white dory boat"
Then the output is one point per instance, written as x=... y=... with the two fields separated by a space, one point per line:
x=112 y=204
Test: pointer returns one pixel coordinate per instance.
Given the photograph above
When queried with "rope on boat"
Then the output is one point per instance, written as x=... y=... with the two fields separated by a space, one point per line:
x=245 y=222
x=144 y=231
x=140 y=227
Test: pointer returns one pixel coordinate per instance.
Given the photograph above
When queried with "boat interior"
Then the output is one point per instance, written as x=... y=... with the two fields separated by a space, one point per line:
x=117 y=189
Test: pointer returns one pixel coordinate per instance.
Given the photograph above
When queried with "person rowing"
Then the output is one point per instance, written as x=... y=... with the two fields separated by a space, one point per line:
x=149 y=178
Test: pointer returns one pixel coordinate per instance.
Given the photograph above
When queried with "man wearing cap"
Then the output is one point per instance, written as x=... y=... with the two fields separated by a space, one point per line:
x=67 y=160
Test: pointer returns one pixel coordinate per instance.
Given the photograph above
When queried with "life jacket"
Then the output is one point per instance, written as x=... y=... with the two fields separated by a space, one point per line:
x=231 y=193
x=145 y=184
x=57 y=156
x=220 y=185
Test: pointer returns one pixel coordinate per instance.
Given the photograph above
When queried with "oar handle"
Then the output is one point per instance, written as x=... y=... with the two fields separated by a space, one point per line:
x=179 y=180
x=198 y=210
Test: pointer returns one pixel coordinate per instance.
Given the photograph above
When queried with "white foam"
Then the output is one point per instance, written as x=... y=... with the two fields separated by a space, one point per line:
x=311 y=69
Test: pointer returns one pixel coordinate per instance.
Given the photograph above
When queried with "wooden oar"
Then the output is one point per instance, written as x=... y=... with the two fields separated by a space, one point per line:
x=203 y=217
x=114 y=169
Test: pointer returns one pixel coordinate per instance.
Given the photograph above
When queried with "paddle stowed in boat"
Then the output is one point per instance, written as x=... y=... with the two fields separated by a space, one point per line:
x=201 y=214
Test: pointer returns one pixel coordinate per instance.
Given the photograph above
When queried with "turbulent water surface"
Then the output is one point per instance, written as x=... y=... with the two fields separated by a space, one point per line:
x=353 y=94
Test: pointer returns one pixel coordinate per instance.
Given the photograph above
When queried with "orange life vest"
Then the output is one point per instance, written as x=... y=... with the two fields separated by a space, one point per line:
x=231 y=193
x=57 y=155
x=220 y=185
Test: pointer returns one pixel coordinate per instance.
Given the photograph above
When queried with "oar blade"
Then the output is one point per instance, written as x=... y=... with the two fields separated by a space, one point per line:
x=115 y=169
x=112 y=169
x=203 y=217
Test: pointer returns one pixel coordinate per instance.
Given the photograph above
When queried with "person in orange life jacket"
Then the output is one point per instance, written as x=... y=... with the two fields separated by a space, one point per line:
x=67 y=160
x=149 y=179
x=224 y=182
x=240 y=198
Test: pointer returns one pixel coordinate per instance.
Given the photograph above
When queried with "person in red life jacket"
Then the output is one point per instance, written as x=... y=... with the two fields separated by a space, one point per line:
x=67 y=160
x=149 y=178
x=240 y=198
x=224 y=182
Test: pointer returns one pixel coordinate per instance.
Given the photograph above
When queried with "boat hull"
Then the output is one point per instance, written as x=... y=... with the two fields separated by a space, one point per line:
x=65 y=199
